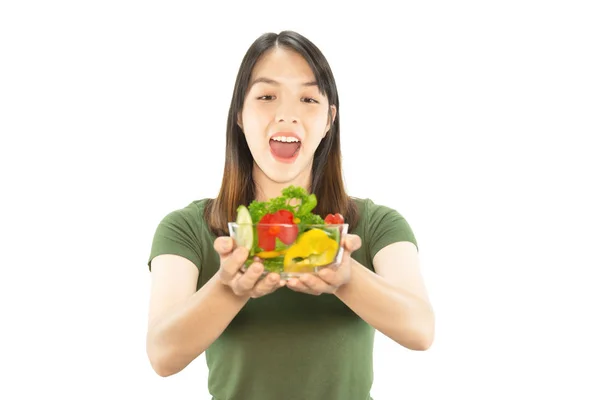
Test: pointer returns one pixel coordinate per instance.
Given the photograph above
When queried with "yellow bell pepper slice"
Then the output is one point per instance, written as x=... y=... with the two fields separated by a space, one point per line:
x=314 y=247
x=271 y=254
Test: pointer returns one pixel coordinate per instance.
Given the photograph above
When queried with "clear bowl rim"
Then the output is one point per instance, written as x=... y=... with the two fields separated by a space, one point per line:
x=287 y=225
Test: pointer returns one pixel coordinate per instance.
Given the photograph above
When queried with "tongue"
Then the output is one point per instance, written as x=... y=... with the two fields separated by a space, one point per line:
x=284 y=149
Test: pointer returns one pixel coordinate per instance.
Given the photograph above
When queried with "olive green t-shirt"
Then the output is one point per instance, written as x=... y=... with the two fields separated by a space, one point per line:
x=286 y=345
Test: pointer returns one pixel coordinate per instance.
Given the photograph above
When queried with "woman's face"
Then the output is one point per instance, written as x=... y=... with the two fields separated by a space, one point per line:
x=284 y=117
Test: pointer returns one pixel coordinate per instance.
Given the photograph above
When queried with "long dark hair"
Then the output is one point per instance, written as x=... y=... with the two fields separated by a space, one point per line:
x=237 y=186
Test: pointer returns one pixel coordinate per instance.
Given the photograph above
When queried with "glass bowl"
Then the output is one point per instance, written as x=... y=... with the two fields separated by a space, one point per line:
x=291 y=250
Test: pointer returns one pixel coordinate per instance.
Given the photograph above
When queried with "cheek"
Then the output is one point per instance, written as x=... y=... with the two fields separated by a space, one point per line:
x=317 y=121
x=255 y=117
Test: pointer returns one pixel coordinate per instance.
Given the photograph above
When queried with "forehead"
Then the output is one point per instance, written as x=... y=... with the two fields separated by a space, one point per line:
x=283 y=65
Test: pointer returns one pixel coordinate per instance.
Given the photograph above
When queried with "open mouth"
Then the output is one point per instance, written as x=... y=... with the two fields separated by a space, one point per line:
x=285 y=148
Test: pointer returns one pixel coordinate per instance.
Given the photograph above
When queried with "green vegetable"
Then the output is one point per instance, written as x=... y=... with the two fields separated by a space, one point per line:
x=302 y=210
x=300 y=203
x=270 y=264
x=279 y=245
x=245 y=232
x=307 y=205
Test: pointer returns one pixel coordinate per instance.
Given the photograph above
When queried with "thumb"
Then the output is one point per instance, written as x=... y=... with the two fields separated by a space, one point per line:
x=224 y=245
x=352 y=242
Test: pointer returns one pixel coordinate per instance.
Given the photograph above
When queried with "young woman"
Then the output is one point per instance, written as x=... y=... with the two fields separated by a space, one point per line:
x=308 y=338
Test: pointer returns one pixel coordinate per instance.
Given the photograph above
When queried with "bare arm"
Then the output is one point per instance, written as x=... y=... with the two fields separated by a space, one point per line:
x=183 y=322
x=394 y=299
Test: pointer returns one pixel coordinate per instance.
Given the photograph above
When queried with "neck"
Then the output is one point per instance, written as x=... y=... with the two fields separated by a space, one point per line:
x=266 y=188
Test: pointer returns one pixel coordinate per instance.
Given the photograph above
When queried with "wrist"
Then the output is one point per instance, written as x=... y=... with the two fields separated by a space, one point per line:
x=349 y=281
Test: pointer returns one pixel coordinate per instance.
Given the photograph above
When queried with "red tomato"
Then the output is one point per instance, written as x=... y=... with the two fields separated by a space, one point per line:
x=265 y=240
x=336 y=219
x=267 y=233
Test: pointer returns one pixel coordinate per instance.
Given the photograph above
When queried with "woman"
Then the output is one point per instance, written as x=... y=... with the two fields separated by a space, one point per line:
x=308 y=338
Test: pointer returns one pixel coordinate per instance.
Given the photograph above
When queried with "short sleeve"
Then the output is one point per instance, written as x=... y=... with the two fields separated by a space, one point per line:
x=175 y=234
x=386 y=226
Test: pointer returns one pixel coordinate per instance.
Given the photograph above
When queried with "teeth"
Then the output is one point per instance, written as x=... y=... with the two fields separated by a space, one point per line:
x=285 y=139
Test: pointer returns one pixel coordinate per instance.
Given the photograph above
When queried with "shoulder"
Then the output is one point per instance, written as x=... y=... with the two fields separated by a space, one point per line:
x=381 y=224
x=193 y=211
x=188 y=220
x=369 y=211
x=182 y=231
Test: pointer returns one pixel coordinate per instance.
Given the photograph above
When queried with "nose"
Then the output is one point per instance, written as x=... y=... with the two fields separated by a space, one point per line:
x=286 y=113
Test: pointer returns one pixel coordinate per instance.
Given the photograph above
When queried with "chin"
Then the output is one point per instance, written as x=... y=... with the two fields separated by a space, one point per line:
x=282 y=177
x=281 y=173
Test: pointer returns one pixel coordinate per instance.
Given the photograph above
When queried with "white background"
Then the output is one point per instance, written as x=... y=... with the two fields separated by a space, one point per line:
x=475 y=120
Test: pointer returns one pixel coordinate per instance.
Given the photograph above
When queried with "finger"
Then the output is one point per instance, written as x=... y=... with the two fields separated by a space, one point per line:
x=266 y=285
x=328 y=276
x=345 y=263
x=316 y=284
x=352 y=242
x=223 y=245
x=232 y=264
x=248 y=280
x=298 y=286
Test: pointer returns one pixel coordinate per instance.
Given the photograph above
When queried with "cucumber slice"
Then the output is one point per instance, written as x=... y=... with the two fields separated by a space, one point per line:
x=245 y=233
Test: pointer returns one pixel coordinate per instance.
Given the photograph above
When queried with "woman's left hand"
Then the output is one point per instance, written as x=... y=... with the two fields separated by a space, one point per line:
x=328 y=280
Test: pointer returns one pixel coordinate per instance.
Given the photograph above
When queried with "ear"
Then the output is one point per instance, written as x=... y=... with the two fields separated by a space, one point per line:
x=239 y=121
x=330 y=118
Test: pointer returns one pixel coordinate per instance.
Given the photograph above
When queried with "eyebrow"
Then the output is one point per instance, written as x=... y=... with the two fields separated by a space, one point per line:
x=270 y=81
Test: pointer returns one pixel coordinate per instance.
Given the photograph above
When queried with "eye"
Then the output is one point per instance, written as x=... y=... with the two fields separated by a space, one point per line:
x=267 y=97
x=309 y=100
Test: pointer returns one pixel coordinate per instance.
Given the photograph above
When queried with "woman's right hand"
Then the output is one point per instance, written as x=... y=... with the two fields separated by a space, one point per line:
x=246 y=283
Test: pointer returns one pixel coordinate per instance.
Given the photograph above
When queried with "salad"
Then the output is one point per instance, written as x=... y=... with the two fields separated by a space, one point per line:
x=286 y=235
